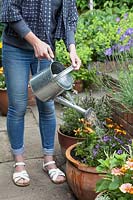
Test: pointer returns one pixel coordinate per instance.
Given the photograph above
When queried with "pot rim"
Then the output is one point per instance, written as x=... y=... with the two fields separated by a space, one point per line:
x=68 y=136
x=78 y=164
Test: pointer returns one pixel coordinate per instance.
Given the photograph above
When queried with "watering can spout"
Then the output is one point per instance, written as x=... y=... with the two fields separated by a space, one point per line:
x=88 y=114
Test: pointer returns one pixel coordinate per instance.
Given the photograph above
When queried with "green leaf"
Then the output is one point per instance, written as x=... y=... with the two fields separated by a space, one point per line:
x=114 y=184
x=102 y=185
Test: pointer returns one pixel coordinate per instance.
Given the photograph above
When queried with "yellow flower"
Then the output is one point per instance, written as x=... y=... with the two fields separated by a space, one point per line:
x=87 y=129
x=0 y=45
x=1 y=70
x=77 y=131
x=120 y=131
x=110 y=125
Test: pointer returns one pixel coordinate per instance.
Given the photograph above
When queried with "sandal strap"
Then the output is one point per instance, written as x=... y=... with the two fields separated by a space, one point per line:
x=20 y=175
x=19 y=164
x=54 y=173
x=48 y=163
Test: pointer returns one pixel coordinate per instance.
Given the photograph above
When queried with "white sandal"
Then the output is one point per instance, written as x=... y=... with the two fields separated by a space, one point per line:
x=17 y=176
x=53 y=173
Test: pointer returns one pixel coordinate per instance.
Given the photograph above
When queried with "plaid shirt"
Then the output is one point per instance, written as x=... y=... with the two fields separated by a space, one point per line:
x=36 y=14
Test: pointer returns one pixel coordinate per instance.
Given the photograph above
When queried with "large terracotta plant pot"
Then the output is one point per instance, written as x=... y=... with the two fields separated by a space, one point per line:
x=65 y=141
x=80 y=177
x=3 y=102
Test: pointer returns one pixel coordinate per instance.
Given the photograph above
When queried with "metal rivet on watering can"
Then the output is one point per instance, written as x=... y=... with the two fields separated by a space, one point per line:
x=51 y=81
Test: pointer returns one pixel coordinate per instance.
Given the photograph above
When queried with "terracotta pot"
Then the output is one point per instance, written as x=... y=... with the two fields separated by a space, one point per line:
x=65 y=141
x=78 y=85
x=80 y=177
x=3 y=102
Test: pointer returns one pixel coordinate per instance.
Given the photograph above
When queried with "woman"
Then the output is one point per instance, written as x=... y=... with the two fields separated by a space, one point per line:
x=31 y=29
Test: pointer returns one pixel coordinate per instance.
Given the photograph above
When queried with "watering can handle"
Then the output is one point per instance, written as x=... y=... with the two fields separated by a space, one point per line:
x=64 y=72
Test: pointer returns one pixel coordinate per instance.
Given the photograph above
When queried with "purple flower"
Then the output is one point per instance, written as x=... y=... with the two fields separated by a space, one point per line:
x=113 y=145
x=119 y=151
x=95 y=152
x=130 y=42
x=125 y=15
x=122 y=37
x=106 y=138
x=118 y=140
x=129 y=31
x=116 y=47
x=122 y=49
x=97 y=146
x=127 y=48
x=117 y=19
x=119 y=30
x=108 y=52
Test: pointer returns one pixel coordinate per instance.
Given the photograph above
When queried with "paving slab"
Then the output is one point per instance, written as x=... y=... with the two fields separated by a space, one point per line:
x=41 y=187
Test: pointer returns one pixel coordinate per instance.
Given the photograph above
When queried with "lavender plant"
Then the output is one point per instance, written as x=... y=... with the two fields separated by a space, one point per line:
x=122 y=56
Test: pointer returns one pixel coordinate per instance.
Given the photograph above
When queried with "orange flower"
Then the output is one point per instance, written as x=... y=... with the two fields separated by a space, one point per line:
x=131 y=190
x=124 y=169
x=108 y=120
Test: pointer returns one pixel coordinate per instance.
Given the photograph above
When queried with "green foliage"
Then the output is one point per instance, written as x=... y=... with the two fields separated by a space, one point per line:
x=122 y=93
x=1 y=29
x=61 y=53
x=89 y=77
x=82 y=5
x=99 y=144
x=2 y=81
x=71 y=117
x=125 y=94
x=70 y=121
x=117 y=182
x=96 y=31
x=115 y=5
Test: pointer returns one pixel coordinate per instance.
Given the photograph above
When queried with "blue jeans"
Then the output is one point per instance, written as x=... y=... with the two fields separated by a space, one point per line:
x=17 y=64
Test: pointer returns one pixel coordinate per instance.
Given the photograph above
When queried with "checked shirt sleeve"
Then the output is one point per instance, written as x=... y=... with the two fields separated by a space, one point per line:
x=11 y=11
x=71 y=23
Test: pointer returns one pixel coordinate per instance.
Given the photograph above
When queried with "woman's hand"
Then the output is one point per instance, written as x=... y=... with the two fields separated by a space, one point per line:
x=41 y=49
x=76 y=62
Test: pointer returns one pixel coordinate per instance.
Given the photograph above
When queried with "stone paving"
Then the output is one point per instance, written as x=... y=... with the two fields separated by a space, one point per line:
x=41 y=188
